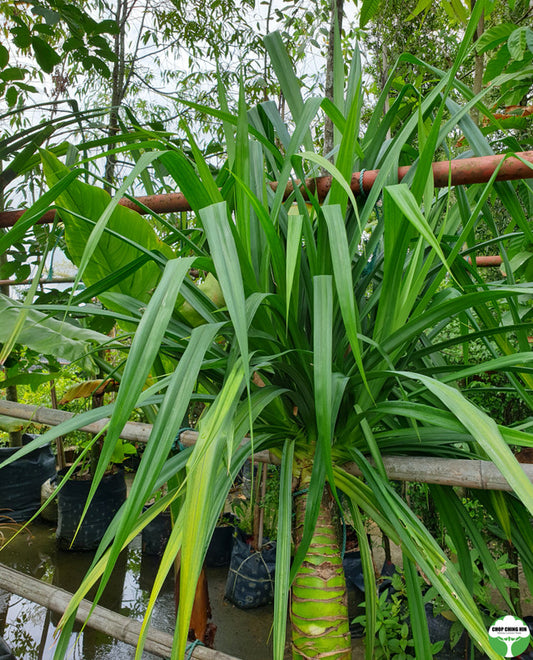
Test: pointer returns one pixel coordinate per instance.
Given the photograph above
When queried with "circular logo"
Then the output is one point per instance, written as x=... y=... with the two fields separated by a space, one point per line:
x=509 y=636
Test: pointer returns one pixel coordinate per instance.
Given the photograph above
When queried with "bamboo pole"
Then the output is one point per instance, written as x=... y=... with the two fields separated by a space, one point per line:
x=43 y=280
x=60 y=451
x=483 y=475
x=484 y=261
x=133 y=431
x=461 y=171
x=466 y=473
x=116 y=625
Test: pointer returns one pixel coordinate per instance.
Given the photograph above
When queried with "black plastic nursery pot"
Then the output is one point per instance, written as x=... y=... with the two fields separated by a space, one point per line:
x=219 y=550
x=109 y=496
x=353 y=570
x=5 y=651
x=250 y=581
x=21 y=481
x=156 y=534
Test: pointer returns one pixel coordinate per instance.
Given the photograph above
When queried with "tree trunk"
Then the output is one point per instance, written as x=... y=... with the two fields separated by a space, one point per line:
x=15 y=437
x=61 y=463
x=479 y=63
x=118 y=85
x=335 y=24
x=319 y=610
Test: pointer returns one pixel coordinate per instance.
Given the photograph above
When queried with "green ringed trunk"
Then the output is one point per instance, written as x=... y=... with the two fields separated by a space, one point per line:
x=319 y=609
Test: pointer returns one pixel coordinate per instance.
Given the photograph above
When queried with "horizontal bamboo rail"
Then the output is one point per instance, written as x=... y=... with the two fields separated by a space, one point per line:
x=133 y=431
x=44 y=280
x=116 y=625
x=461 y=171
x=483 y=475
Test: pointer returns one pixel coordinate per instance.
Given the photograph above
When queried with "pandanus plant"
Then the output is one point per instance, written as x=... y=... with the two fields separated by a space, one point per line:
x=326 y=346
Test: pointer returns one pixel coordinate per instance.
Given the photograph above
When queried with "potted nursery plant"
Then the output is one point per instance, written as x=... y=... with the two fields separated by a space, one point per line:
x=46 y=340
x=20 y=486
x=73 y=494
x=157 y=532
x=219 y=550
x=337 y=303
x=250 y=581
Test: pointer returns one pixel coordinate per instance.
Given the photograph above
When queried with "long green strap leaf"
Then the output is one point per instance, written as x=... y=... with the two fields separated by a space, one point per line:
x=226 y=260
x=25 y=309
x=422 y=549
x=486 y=433
x=169 y=419
x=369 y=577
x=201 y=470
x=283 y=551
x=30 y=217
x=308 y=113
x=406 y=202
x=340 y=257
x=322 y=365
x=455 y=514
x=294 y=246
x=144 y=348
x=290 y=85
x=335 y=173
x=417 y=612
x=349 y=145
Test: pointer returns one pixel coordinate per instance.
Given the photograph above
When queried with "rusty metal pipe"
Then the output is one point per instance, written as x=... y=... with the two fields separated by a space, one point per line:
x=457 y=172
x=466 y=171
x=454 y=172
x=488 y=261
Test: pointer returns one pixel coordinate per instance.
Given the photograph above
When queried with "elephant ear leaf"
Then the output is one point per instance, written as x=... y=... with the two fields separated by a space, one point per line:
x=47 y=335
x=111 y=253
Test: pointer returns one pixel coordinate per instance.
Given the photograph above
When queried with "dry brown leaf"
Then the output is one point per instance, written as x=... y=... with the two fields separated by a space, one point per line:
x=88 y=388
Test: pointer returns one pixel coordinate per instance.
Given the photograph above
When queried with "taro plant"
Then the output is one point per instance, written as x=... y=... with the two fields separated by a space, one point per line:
x=324 y=346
